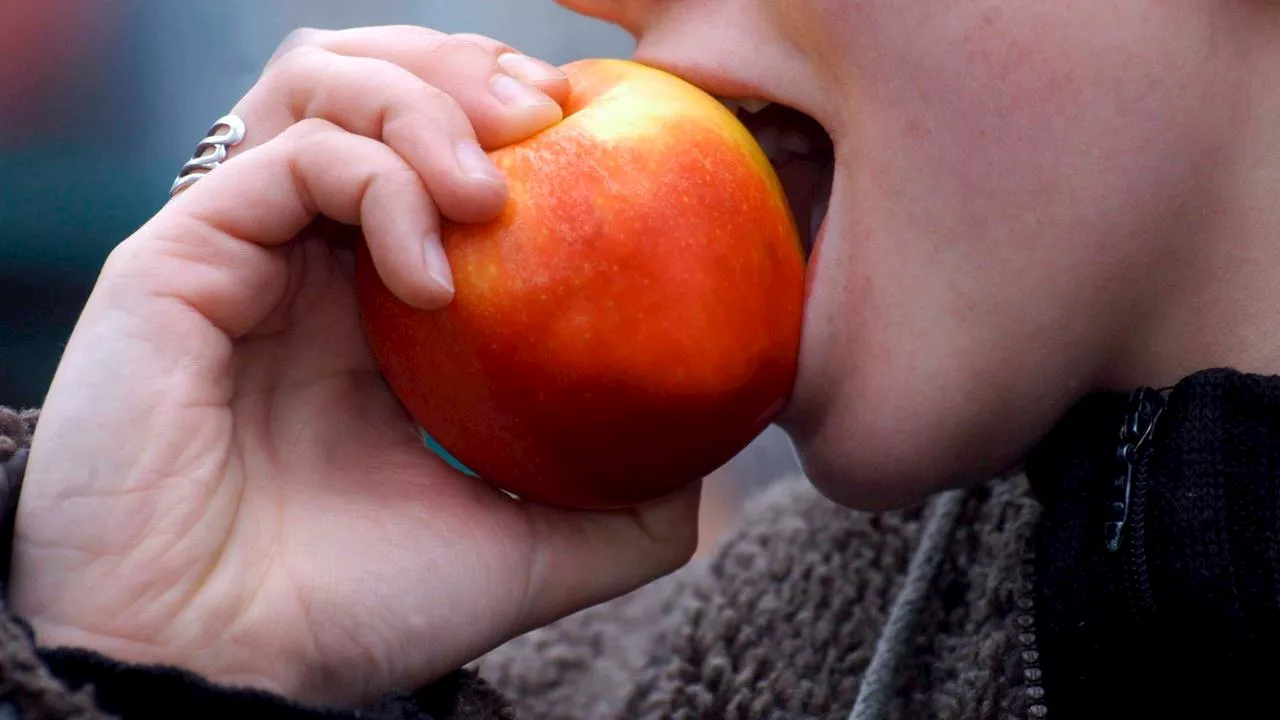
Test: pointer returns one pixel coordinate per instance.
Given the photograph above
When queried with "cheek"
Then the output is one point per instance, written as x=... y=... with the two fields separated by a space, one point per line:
x=1002 y=166
x=824 y=30
x=1017 y=112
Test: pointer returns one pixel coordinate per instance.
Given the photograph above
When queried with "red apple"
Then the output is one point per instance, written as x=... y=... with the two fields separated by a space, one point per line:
x=629 y=323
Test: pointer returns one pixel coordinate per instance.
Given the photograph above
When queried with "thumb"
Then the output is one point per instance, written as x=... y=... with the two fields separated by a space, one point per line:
x=585 y=558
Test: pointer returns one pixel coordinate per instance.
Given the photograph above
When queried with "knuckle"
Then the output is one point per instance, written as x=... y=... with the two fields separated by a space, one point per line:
x=464 y=50
x=308 y=129
x=425 y=108
x=121 y=257
x=304 y=36
x=400 y=176
x=436 y=100
x=300 y=38
x=428 y=110
x=488 y=44
x=295 y=61
x=415 y=33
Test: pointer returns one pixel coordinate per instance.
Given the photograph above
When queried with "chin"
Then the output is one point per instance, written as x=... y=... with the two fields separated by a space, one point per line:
x=855 y=471
x=898 y=444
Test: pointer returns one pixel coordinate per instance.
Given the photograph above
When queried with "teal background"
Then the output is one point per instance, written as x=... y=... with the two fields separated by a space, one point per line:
x=91 y=156
x=95 y=158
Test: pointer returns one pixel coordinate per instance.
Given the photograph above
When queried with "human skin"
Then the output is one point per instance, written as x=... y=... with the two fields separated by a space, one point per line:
x=1032 y=201
x=221 y=479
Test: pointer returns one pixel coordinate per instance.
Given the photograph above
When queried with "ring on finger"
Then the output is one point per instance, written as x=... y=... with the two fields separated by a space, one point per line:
x=210 y=153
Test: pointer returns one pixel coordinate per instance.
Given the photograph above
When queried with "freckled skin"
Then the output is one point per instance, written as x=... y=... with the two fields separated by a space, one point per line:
x=633 y=318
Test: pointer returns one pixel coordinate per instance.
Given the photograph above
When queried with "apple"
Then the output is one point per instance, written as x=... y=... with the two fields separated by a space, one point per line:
x=632 y=319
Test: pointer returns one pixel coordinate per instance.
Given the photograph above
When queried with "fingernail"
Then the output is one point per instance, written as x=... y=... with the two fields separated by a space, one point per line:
x=529 y=69
x=437 y=262
x=515 y=93
x=475 y=162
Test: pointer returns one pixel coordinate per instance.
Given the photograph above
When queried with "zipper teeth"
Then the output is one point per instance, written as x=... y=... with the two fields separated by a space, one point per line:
x=1139 y=580
x=1136 y=573
x=1032 y=673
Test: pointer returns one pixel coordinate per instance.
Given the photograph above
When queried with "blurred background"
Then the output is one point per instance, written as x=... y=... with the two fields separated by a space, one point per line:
x=101 y=101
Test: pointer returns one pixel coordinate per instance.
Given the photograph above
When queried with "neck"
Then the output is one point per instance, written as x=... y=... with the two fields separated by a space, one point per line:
x=1213 y=295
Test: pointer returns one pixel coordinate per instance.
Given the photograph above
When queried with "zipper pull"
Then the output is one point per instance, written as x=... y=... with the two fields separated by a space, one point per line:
x=1145 y=408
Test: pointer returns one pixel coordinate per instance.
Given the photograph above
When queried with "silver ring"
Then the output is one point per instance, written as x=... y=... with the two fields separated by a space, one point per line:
x=227 y=132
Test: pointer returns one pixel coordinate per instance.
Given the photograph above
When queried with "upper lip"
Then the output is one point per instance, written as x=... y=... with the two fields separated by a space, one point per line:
x=727 y=86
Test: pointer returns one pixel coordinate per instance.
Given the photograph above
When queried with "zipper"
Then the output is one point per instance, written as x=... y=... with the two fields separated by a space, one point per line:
x=1032 y=673
x=1125 y=529
x=1124 y=534
x=1126 y=498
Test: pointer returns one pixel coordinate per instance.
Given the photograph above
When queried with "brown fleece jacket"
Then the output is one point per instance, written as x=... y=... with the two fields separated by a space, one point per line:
x=781 y=622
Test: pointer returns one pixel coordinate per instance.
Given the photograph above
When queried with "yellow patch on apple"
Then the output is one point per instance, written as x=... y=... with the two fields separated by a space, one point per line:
x=632 y=319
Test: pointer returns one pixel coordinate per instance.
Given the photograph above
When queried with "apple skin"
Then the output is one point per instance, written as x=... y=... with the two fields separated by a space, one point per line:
x=632 y=319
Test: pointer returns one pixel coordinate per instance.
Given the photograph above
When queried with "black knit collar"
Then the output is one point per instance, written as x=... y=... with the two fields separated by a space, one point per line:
x=1219 y=421
x=1189 y=593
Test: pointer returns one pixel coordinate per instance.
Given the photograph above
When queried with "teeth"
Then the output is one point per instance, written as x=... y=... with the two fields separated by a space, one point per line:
x=750 y=106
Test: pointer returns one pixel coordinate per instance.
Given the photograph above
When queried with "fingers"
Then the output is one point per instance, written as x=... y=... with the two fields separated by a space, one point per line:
x=473 y=69
x=312 y=168
x=436 y=99
x=386 y=102
x=585 y=558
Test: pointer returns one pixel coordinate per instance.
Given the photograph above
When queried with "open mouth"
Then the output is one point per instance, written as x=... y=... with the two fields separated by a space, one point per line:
x=802 y=154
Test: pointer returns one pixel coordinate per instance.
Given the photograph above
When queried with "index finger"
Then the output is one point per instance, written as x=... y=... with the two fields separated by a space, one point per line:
x=431 y=55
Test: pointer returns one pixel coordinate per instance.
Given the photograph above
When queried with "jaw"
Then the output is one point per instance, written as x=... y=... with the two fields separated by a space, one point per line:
x=906 y=385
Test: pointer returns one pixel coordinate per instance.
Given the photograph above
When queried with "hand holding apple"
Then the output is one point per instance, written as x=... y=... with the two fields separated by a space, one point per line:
x=222 y=480
x=632 y=318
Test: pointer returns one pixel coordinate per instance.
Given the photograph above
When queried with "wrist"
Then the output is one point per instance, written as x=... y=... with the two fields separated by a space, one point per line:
x=232 y=657
x=229 y=665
